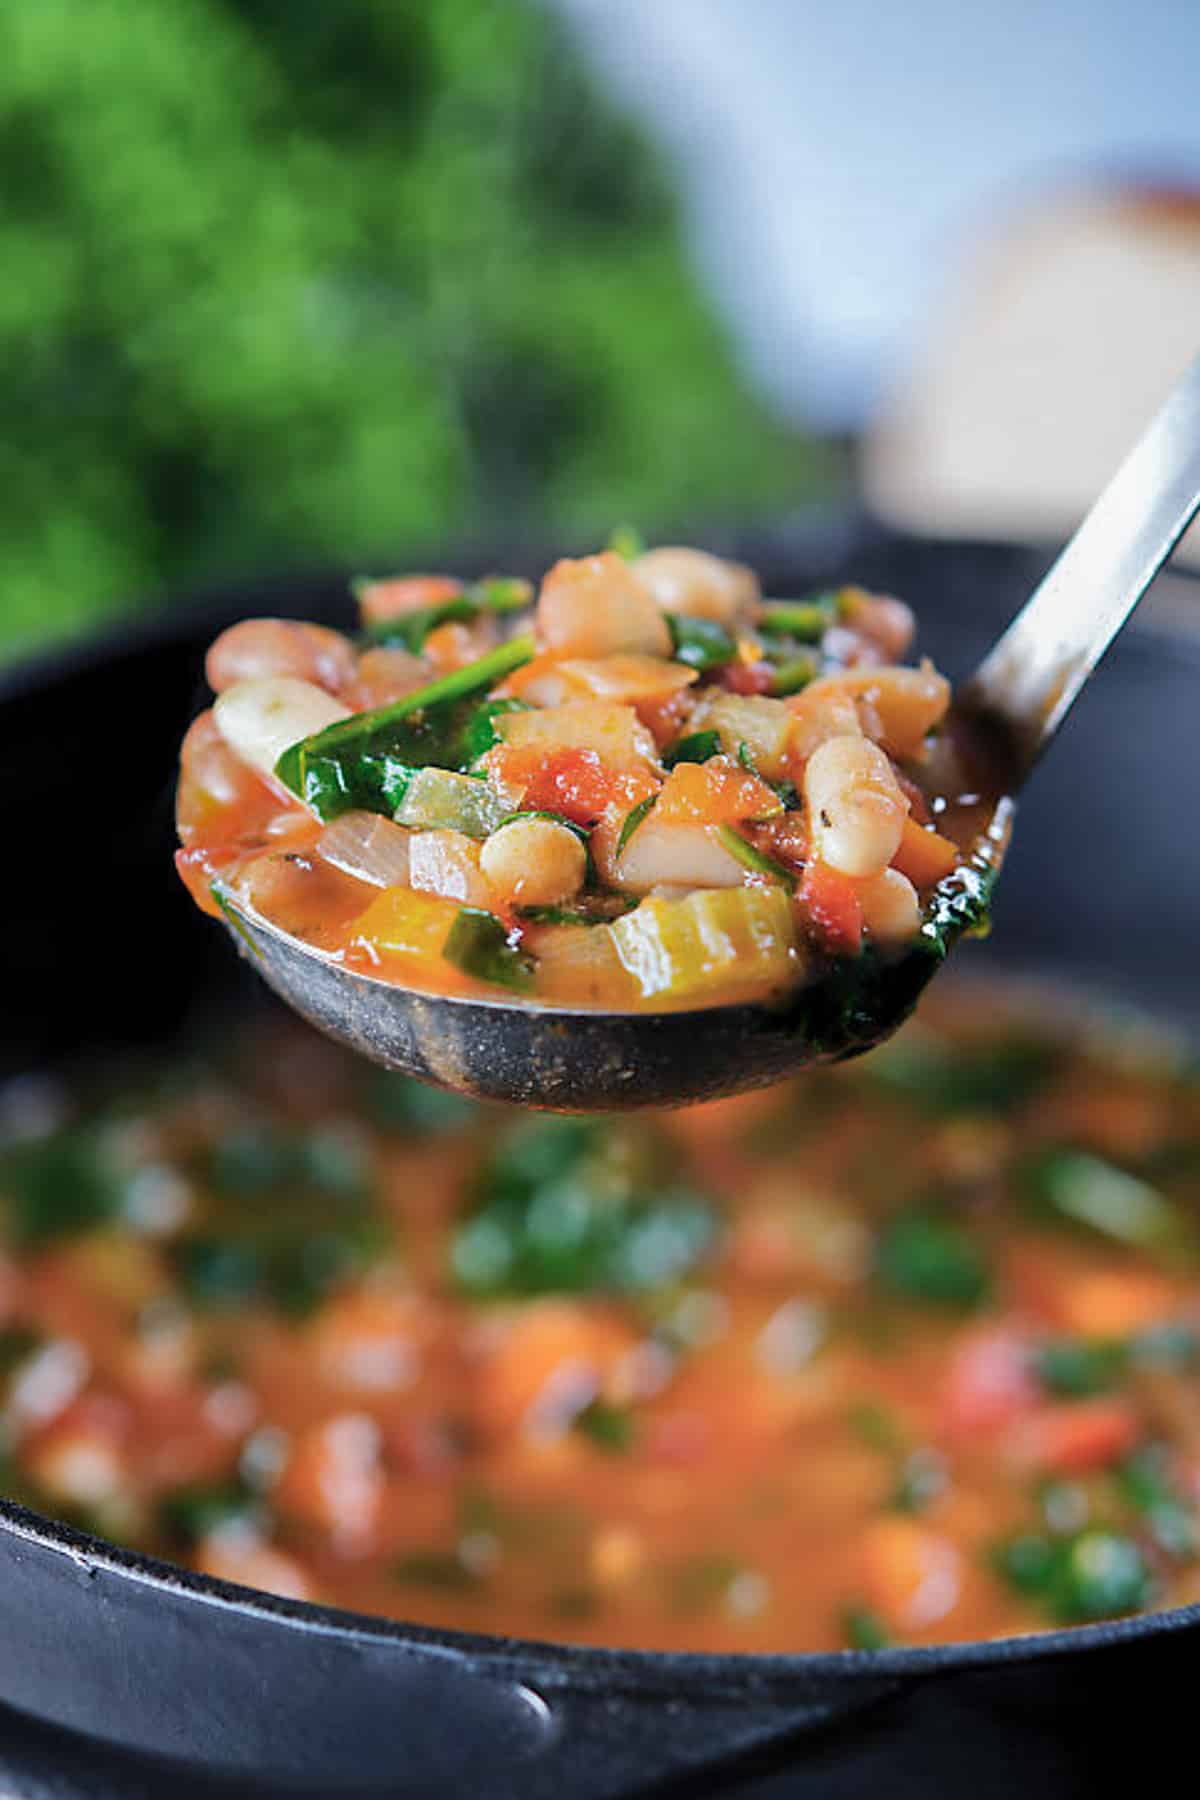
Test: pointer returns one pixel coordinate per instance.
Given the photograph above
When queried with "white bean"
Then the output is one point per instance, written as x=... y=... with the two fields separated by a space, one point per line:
x=255 y=648
x=597 y=607
x=703 y=586
x=534 y=862
x=856 y=809
x=891 y=911
x=261 y=719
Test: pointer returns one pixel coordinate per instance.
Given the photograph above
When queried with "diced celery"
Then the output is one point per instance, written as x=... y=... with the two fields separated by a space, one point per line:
x=441 y=800
x=715 y=941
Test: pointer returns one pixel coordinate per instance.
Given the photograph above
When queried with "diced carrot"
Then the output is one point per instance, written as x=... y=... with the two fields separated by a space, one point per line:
x=1094 y=1302
x=989 y=1381
x=1077 y=1437
x=717 y=792
x=553 y=1358
x=381 y=600
x=832 y=902
x=911 y=1575
x=924 y=855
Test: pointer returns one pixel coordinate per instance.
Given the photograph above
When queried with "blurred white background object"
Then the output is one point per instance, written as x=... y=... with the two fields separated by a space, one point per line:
x=841 y=161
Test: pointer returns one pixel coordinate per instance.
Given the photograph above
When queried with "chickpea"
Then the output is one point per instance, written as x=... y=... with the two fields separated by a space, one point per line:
x=257 y=647
x=534 y=862
x=855 y=805
x=890 y=908
x=703 y=586
x=598 y=607
x=888 y=623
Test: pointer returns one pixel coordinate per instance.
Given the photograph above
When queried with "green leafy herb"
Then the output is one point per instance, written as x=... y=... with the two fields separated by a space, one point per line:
x=1093 y=1574
x=17 y=1343
x=1144 y=1483
x=794 y=673
x=478 y=944
x=367 y=761
x=700 y=643
x=609 y=1427
x=633 y=819
x=926 y=1256
x=408 y=631
x=754 y=859
x=696 y=747
x=921 y=1478
x=62 y=1185
x=626 y=542
x=938 y=1077
x=1077 y=1188
x=284 y=1218
x=409 y=1108
x=570 y=1206
x=807 y=620
x=1078 y=1367
x=864 y=1629
x=191 y=1513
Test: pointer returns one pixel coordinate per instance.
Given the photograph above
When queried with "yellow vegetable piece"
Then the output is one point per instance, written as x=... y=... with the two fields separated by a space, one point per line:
x=711 y=945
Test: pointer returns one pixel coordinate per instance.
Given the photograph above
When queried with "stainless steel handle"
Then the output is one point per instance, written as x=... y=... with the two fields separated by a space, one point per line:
x=1030 y=678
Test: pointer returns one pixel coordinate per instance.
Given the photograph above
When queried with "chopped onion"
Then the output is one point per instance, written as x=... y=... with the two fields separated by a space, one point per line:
x=369 y=846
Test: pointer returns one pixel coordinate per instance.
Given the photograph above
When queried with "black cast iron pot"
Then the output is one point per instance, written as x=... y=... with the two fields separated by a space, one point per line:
x=122 y=1677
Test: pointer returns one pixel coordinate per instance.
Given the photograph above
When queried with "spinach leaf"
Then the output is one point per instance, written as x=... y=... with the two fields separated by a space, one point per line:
x=924 y=1255
x=696 y=747
x=1074 y=1187
x=62 y=1185
x=942 y=1078
x=700 y=643
x=572 y=1206
x=478 y=944
x=367 y=761
x=1093 y=1574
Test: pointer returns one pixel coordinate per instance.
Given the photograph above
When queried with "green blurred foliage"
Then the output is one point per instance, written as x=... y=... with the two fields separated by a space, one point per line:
x=287 y=281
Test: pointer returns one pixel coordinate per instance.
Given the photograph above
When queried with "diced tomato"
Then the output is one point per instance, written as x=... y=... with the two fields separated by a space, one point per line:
x=924 y=856
x=832 y=902
x=989 y=1381
x=381 y=600
x=576 y=783
x=1077 y=1437
x=747 y=678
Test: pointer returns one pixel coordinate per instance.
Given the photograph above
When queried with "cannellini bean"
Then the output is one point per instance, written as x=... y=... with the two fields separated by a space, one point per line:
x=891 y=911
x=897 y=707
x=261 y=719
x=383 y=676
x=256 y=648
x=448 y=863
x=821 y=710
x=855 y=805
x=534 y=862
x=597 y=607
x=703 y=586
x=888 y=623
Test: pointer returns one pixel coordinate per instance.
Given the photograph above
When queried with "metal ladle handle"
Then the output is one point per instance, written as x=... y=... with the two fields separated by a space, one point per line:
x=1032 y=675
